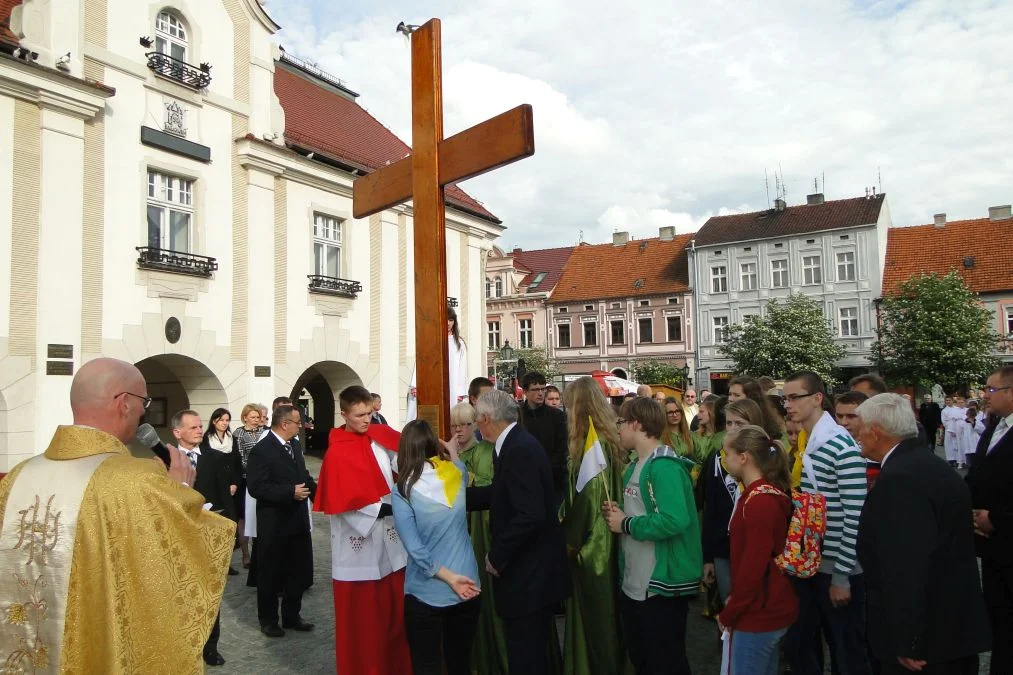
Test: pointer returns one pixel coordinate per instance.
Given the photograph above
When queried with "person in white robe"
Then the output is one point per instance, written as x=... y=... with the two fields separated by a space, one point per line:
x=457 y=367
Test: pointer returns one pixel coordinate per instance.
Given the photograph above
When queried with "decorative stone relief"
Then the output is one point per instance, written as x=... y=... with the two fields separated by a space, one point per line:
x=175 y=118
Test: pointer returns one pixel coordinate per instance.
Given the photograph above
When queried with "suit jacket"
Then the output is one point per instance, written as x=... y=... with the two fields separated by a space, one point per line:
x=991 y=481
x=527 y=547
x=377 y=418
x=548 y=426
x=930 y=415
x=213 y=479
x=916 y=546
x=271 y=477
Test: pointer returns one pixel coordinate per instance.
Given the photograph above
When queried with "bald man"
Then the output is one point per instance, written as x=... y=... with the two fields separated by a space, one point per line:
x=107 y=540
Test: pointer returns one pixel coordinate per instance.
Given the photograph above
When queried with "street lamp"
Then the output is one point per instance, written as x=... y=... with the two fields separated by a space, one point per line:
x=506 y=352
x=685 y=376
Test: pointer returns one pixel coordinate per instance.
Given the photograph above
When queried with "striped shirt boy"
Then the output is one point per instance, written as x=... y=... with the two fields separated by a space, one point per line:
x=833 y=459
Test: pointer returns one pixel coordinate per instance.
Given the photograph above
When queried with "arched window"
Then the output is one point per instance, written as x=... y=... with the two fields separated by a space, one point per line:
x=488 y=287
x=170 y=36
x=499 y=287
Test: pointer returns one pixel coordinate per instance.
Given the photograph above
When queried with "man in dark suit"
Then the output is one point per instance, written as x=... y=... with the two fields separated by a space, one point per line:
x=527 y=555
x=548 y=426
x=931 y=417
x=276 y=476
x=925 y=609
x=376 y=417
x=991 y=481
x=212 y=481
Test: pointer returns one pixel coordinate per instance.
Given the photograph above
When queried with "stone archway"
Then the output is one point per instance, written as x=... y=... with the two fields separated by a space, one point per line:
x=316 y=391
x=620 y=372
x=176 y=382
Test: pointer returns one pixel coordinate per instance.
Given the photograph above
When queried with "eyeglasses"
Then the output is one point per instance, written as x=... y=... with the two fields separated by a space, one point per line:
x=992 y=390
x=621 y=421
x=791 y=398
x=146 y=399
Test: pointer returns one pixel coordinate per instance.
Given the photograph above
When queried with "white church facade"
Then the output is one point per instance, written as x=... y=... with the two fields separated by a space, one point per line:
x=175 y=191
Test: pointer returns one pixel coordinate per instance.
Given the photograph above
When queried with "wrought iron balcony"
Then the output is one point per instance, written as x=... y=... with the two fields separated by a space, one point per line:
x=179 y=71
x=334 y=286
x=177 y=262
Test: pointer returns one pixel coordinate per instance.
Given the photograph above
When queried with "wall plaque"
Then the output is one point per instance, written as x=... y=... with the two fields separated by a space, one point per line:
x=59 y=367
x=262 y=371
x=60 y=351
x=173 y=330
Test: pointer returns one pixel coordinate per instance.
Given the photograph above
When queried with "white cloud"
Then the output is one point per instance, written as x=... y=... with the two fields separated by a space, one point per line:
x=662 y=114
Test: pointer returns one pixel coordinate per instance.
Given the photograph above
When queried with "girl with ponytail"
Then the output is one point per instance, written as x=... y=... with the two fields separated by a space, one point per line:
x=762 y=604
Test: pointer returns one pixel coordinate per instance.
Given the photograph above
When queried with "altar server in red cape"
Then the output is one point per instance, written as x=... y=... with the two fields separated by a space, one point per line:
x=367 y=557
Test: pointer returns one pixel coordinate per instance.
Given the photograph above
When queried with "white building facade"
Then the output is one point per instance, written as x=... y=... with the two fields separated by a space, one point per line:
x=833 y=252
x=152 y=209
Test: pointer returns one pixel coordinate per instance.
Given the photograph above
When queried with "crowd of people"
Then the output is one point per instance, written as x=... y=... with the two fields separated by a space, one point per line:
x=804 y=523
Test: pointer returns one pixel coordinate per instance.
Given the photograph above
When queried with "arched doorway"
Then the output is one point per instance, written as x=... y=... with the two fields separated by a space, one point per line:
x=316 y=393
x=620 y=372
x=176 y=382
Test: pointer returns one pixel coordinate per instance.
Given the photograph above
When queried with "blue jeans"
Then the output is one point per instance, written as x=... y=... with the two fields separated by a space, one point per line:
x=844 y=628
x=755 y=653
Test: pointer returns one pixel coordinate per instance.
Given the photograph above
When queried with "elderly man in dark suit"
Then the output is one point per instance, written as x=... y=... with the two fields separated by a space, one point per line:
x=527 y=556
x=276 y=477
x=916 y=544
x=991 y=481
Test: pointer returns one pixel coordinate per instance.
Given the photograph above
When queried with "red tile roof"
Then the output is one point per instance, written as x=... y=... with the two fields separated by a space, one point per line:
x=331 y=125
x=926 y=248
x=7 y=36
x=639 y=268
x=794 y=220
x=548 y=260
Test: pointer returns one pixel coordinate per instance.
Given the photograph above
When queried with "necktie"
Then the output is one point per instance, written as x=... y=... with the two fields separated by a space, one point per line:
x=288 y=449
x=1000 y=431
x=193 y=457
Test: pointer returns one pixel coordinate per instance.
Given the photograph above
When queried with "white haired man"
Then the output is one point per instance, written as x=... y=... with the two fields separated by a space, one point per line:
x=916 y=545
x=527 y=553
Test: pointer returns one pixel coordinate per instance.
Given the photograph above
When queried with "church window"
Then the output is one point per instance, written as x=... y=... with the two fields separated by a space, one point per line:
x=170 y=212
x=326 y=245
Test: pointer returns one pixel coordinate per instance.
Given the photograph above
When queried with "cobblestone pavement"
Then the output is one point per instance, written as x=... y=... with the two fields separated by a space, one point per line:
x=248 y=651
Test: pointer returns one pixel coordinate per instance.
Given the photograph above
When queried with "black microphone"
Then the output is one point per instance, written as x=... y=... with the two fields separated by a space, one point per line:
x=148 y=437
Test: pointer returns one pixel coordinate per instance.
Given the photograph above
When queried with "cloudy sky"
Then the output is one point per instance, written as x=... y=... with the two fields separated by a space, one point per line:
x=667 y=112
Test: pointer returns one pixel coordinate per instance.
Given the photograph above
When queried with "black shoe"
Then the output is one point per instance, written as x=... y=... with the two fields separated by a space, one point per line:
x=233 y=571
x=301 y=626
x=214 y=659
x=272 y=631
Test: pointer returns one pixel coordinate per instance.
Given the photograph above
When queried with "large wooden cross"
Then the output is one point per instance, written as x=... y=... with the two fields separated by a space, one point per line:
x=421 y=177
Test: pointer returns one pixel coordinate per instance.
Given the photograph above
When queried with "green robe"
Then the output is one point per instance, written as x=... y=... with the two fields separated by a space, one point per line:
x=593 y=641
x=488 y=651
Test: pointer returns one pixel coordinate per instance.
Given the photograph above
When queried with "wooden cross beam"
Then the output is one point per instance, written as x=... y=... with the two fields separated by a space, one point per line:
x=434 y=163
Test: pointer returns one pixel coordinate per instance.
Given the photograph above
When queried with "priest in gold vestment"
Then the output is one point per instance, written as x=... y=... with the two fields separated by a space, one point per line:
x=108 y=563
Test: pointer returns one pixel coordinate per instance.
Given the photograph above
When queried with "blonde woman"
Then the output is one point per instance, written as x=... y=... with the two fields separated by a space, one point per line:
x=246 y=437
x=593 y=640
x=488 y=652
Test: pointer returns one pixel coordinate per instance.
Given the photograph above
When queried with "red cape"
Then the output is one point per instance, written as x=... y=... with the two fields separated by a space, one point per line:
x=350 y=478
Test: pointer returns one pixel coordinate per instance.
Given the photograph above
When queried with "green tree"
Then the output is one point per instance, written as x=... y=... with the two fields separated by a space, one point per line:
x=652 y=371
x=537 y=359
x=792 y=336
x=935 y=330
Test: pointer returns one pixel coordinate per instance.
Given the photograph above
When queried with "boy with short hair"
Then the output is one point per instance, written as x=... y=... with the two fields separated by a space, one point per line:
x=660 y=556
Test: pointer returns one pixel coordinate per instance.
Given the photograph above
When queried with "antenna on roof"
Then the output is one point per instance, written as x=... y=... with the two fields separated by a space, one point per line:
x=879 y=176
x=784 y=188
x=766 y=185
x=824 y=182
x=580 y=237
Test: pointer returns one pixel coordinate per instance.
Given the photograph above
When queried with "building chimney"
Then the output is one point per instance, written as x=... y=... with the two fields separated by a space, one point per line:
x=816 y=198
x=779 y=204
x=939 y=219
x=620 y=238
x=666 y=233
x=517 y=249
x=1000 y=212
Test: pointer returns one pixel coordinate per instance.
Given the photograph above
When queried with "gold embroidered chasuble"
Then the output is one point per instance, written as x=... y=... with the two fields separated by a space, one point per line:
x=147 y=566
